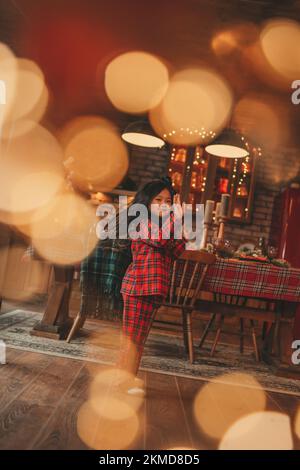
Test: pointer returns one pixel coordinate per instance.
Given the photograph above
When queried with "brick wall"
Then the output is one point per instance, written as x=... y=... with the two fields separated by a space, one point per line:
x=147 y=164
x=274 y=171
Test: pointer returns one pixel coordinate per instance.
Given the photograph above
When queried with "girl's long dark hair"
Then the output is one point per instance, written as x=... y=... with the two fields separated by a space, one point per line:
x=146 y=194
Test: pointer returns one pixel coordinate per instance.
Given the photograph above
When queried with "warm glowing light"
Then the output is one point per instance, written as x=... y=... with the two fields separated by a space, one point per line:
x=99 y=433
x=111 y=407
x=228 y=144
x=228 y=151
x=263 y=119
x=274 y=57
x=27 y=95
x=32 y=117
x=234 y=38
x=222 y=402
x=140 y=133
x=8 y=81
x=5 y=53
x=64 y=231
x=142 y=140
x=136 y=82
x=280 y=43
x=32 y=186
x=24 y=220
x=96 y=157
x=99 y=198
x=31 y=170
x=224 y=43
x=204 y=100
x=79 y=124
x=266 y=430
x=108 y=398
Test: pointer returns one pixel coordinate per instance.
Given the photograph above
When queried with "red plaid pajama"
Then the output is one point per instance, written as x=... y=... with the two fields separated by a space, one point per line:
x=145 y=284
x=137 y=319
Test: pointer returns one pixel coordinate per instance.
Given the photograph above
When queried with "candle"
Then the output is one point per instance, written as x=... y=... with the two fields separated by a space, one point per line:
x=208 y=214
x=225 y=198
x=218 y=212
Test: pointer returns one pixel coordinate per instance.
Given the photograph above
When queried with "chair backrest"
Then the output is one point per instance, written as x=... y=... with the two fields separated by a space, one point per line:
x=190 y=271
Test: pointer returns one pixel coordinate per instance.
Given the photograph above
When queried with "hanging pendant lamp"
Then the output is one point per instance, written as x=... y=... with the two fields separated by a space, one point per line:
x=140 y=133
x=228 y=144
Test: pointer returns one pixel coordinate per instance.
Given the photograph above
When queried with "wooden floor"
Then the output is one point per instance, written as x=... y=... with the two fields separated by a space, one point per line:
x=41 y=395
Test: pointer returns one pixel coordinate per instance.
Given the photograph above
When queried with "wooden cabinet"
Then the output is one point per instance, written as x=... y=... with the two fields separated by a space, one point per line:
x=21 y=280
x=198 y=176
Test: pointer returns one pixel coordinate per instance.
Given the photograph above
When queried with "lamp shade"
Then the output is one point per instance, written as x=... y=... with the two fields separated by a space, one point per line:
x=228 y=144
x=140 y=133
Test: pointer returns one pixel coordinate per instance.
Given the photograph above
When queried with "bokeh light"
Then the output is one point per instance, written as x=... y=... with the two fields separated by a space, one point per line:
x=5 y=53
x=221 y=403
x=95 y=158
x=109 y=399
x=280 y=42
x=29 y=90
x=260 y=118
x=275 y=57
x=27 y=95
x=234 y=39
x=23 y=220
x=266 y=430
x=31 y=170
x=224 y=43
x=64 y=231
x=9 y=74
x=100 y=198
x=196 y=106
x=79 y=124
x=22 y=126
x=99 y=433
x=136 y=81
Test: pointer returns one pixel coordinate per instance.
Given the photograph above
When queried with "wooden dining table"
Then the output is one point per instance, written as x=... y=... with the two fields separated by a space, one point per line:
x=275 y=287
x=279 y=286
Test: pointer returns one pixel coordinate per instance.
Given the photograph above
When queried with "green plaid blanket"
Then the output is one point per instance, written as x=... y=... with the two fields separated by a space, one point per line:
x=101 y=276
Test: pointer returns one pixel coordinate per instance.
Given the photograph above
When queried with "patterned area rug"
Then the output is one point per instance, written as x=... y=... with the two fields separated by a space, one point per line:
x=164 y=353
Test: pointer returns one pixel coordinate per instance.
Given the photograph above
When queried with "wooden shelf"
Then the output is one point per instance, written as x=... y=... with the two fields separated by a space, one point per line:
x=213 y=173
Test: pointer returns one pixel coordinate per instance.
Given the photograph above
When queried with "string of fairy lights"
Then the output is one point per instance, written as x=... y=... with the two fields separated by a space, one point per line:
x=241 y=172
x=183 y=132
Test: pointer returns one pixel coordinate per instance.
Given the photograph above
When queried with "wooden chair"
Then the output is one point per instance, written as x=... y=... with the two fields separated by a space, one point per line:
x=228 y=306
x=194 y=265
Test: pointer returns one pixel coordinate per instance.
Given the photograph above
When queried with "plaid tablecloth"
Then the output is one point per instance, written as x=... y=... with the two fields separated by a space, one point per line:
x=250 y=279
x=254 y=279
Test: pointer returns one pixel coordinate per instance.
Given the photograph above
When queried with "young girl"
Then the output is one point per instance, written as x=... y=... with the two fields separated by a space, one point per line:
x=146 y=281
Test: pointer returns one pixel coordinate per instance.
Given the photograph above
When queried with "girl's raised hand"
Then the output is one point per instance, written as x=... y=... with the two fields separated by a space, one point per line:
x=178 y=206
